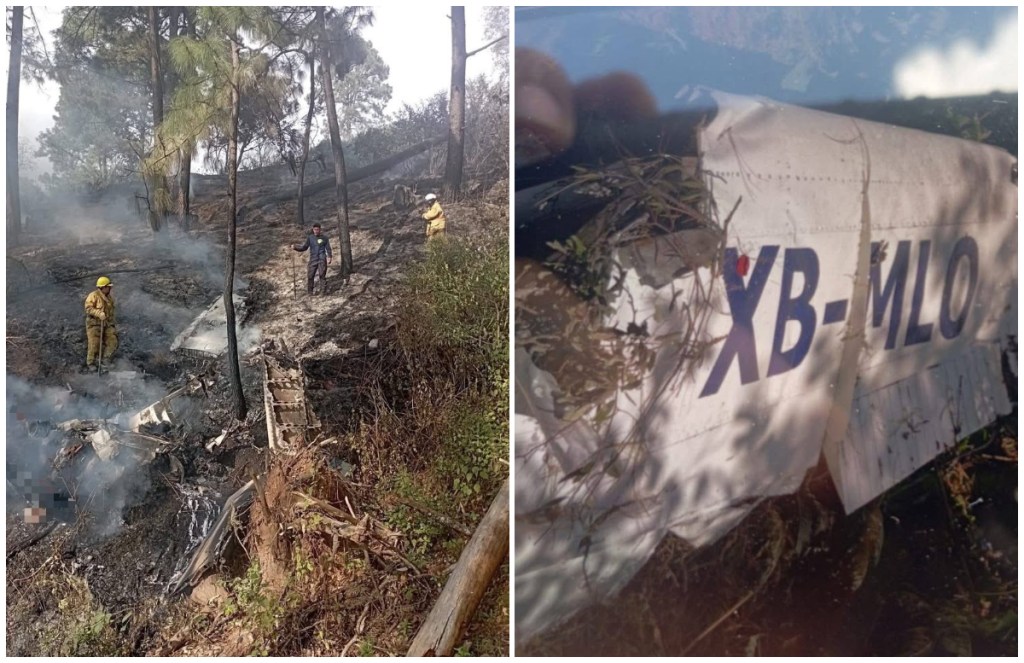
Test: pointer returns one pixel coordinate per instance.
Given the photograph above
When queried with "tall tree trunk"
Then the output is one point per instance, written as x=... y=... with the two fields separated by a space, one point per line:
x=341 y=186
x=185 y=173
x=155 y=69
x=305 y=140
x=174 y=163
x=229 y=281
x=13 y=93
x=159 y=185
x=456 y=109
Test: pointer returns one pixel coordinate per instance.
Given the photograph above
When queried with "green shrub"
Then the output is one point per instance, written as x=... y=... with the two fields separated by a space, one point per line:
x=261 y=613
x=472 y=454
x=453 y=336
x=421 y=532
x=453 y=320
x=82 y=627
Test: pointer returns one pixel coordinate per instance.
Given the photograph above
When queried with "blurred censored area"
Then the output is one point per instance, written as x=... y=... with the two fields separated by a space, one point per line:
x=40 y=495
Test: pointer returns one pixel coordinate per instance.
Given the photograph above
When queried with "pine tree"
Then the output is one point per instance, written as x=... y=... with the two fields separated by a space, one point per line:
x=216 y=76
x=454 y=162
x=157 y=184
x=103 y=123
x=341 y=186
x=334 y=62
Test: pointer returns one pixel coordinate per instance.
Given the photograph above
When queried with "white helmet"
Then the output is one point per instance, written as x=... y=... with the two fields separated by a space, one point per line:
x=430 y=197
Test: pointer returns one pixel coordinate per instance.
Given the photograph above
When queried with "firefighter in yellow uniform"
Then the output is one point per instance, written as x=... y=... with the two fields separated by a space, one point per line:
x=434 y=216
x=100 y=325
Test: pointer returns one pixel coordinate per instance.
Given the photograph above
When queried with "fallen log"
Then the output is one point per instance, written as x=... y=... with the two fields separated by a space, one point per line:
x=286 y=194
x=113 y=271
x=462 y=593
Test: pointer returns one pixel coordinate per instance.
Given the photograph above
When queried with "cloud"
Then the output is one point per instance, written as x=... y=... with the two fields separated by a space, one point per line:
x=963 y=68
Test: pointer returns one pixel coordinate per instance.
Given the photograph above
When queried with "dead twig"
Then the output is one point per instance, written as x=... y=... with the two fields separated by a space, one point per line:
x=439 y=517
x=37 y=571
x=715 y=624
x=360 y=628
x=32 y=540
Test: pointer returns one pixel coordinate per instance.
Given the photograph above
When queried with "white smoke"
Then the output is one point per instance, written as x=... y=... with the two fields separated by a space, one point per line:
x=102 y=488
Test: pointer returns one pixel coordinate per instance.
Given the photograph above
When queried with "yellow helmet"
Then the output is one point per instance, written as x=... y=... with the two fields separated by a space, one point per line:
x=102 y=282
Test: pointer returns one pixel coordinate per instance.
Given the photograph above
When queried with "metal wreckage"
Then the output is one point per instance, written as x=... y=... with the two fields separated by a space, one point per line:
x=114 y=447
x=856 y=311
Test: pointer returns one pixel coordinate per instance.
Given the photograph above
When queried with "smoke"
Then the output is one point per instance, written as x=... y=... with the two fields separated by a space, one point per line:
x=96 y=219
x=160 y=316
x=205 y=257
x=118 y=218
x=161 y=281
x=248 y=338
x=101 y=489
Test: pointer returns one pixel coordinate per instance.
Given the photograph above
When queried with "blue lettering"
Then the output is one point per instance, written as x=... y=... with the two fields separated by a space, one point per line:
x=885 y=297
x=917 y=333
x=796 y=308
x=743 y=302
x=834 y=312
x=894 y=287
x=965 y=248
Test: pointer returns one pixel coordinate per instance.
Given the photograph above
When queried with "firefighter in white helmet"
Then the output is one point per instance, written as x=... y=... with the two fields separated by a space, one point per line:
x=434 y=216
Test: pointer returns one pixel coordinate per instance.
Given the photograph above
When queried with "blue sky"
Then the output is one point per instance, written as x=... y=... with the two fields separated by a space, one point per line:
x=797 y=55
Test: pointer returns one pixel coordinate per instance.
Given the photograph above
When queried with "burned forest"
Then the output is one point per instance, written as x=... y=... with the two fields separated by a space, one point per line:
x=257 y=469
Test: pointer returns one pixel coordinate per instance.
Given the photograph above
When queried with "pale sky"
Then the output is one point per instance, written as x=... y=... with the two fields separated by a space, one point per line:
x=965 y=67
x=416 y=42
x=413 y=39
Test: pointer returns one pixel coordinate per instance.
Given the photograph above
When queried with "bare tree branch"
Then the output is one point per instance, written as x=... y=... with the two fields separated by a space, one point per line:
x=486 y=46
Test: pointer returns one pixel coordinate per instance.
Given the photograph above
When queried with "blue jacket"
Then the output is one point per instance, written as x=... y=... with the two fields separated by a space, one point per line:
x=319 y=247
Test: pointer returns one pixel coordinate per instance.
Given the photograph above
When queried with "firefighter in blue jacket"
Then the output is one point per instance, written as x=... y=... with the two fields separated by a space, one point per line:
x=319 y=257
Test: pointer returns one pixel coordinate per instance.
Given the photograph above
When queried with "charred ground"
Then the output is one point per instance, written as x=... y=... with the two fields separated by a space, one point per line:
x=82 y=588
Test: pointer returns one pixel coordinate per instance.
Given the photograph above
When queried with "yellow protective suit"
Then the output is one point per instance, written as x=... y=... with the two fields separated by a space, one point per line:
x=435 y=220
x=99 y=321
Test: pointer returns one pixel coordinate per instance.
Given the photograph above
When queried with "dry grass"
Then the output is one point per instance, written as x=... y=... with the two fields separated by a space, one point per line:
x=657 y=219
x=908 y=574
